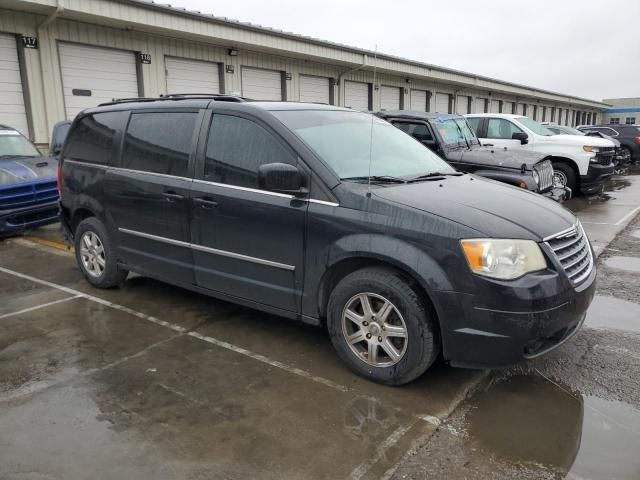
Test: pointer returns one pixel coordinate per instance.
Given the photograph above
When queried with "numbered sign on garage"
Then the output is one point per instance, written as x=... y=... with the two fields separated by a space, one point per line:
x=419 y=101
x=356 y=95
x=192 y=76
x=389 y=98
x=12 y=111
x=314 y=89
x=94 y=75
x=259 y=84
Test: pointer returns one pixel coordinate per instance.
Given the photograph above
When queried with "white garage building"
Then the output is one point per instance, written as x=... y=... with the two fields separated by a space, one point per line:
x=60 y=56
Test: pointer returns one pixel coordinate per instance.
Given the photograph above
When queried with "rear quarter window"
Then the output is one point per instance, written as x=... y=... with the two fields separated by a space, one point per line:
x=92 y=138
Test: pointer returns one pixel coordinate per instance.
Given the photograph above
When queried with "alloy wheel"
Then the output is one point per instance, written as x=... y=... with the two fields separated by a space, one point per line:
x=374 y=329
x=92 y=254
x=559 y=179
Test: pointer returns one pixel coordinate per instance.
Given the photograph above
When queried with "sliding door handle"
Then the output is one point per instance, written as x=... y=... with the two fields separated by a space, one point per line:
x=205 y=202
x=172 y=196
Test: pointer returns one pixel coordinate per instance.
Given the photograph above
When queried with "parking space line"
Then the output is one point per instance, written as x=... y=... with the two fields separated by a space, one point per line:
x=628 y=215
x=182 y=330
x=38 y=307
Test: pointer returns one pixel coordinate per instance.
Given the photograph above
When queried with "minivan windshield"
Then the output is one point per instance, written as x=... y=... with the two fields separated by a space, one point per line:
x=535 y=127
x=346 y=141
x=455 y=131
x=12 y=144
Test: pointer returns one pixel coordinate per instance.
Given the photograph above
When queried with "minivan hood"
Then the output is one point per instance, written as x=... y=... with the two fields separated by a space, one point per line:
x=18 y=170
x=500 y=157
x=579 y=140
x=492 y=208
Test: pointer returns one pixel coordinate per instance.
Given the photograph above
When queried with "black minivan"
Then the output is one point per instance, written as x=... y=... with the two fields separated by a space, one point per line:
x=329 y=216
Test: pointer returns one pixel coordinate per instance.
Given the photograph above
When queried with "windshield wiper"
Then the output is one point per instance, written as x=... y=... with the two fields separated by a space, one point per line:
x=18 y=156
x=435 y=175
x=376 y=179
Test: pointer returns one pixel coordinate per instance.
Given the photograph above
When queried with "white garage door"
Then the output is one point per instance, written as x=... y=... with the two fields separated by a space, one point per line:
x=419 y=101
x=191 y=76
x=462 y=104
x=356 y=95
x=520 y=109
x=259 y=84
x=389 y=98
x=479 y=105
x=12 y=111
x=530 y=111
x=442 y=103
x=314 y=89
x=495 y=106
x=92 y=75
x=507 y=107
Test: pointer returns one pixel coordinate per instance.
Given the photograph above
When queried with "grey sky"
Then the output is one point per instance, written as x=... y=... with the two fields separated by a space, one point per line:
x=556 y=45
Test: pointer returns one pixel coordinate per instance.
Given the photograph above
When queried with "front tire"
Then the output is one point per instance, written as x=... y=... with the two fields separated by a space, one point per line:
x=380 y=327
x=96 y=256
x=564 y=176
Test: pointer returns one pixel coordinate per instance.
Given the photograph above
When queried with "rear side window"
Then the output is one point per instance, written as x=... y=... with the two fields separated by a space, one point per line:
x=159 y=142
x=237 y=147
x=92 y=139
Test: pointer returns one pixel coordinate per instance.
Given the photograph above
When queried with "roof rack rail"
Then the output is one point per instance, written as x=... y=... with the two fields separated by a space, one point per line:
x=221 y=97
x=115 y=101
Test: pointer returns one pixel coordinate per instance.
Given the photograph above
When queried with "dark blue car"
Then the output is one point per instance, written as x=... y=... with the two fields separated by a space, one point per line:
x=28 y=184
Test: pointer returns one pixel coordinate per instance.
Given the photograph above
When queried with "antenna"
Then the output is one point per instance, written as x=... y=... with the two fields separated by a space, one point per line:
x=375 y=67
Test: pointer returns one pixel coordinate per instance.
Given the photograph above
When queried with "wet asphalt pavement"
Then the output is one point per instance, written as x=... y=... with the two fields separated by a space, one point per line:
x=151 y=381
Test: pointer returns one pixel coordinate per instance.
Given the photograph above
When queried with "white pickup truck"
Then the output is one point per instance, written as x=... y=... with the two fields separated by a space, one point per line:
x=579 y=162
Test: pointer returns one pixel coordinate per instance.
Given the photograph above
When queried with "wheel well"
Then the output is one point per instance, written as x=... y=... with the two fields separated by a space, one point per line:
x=79 y=215
x=568 y=162
x=350 y=265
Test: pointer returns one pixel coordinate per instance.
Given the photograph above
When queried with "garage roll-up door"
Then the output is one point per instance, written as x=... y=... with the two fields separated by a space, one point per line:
x=495 y=106
x=12 y=111
x=479 y=105
x=314 y=89
x=259 y=84
x=419 y=101
x=191 y=76
x=507 y=107
x=442 y=103
x=93 y=75
x=462 y=104
x=356 y=95
x=389 y=98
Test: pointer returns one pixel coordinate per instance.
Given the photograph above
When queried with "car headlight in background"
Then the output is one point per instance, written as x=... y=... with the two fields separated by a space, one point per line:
x=536 y=176
x=590 y=149
x=503 y=259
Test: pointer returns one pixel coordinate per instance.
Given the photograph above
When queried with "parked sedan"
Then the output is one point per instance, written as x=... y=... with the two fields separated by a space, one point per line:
x=451 y=137
x=621 y=158
x=28 y=184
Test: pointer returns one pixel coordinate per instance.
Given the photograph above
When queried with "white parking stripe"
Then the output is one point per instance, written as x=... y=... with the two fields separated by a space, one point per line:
x=627 y=216
x=179 y=329
x=37 y=307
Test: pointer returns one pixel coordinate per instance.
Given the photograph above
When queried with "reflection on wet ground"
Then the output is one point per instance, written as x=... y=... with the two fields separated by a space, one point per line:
x=617 y=183
x=529 y=420
x=611 y=312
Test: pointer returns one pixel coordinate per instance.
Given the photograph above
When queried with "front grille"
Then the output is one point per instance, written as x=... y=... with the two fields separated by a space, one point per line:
x=25 y=195
x=572 y=250
x=605 y=155
x=545 y=172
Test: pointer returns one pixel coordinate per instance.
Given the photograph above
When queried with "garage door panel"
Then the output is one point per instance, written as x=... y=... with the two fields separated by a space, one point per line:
x=442 y=103
x=479 y=105
x=12 y=108
x=192 y=76
x=389 y=98
x=261 y=84
x=462 y=105
x=106 y=73
x=419 y=100
x=314 y=89
x=356 y=95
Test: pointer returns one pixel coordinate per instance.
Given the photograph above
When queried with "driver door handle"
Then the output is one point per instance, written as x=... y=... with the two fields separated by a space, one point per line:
x=171 y=196
x=205 y=202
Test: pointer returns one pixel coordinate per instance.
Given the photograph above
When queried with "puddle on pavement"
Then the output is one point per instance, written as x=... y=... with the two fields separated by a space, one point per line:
x=617 y=183
x=527 y=420
x=631 y=264
x=611 y=312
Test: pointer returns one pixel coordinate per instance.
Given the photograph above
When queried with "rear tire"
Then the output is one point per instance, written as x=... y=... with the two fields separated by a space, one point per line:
x=564 y=176
x=96 y=256
x=380 y=326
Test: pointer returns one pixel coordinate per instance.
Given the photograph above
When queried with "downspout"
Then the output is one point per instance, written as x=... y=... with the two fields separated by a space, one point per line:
x=341 y=76
x=45 y=23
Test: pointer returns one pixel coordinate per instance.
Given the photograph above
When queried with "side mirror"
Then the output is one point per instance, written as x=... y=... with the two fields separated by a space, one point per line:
x=523 y=137
x=55 y=150
x=281 y=178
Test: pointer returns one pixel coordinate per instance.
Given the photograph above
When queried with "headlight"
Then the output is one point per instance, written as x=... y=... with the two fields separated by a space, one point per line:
x=536 y=176
x=503 y=259
x=589 y=148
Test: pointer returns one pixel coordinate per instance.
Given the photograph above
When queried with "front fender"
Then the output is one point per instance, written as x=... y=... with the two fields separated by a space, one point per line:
x=511 y=178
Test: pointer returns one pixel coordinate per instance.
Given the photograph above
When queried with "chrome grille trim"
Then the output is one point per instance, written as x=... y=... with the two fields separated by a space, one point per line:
x=571 y=248
x=545 y=173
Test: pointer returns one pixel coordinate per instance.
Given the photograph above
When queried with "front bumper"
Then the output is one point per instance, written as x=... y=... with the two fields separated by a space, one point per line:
x=597 y=174
x=507 y=322
x=559 y=194
x=18 y=219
